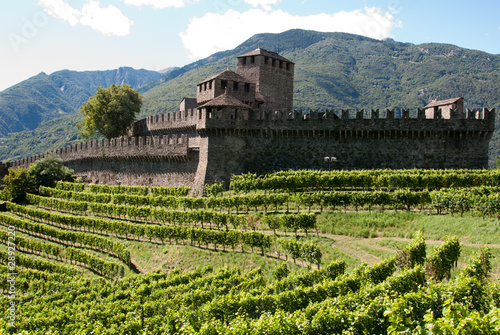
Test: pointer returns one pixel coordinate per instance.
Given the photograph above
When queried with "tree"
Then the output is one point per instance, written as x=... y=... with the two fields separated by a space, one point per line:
x=48 y=171
x=16 y=183
x=109 y=112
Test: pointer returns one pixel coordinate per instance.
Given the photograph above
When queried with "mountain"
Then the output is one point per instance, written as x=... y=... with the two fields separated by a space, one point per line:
x=332 y=71
x=44 y=97
x=339 y=70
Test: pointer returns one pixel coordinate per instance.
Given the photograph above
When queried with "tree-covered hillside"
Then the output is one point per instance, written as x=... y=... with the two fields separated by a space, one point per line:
x=332 y=71
x=338 y=70
x=44 y=97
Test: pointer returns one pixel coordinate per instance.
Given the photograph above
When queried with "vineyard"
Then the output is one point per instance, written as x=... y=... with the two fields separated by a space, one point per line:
x=295 y=252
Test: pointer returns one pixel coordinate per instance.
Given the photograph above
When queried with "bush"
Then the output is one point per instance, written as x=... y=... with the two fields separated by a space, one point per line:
x=44 y=172
x=48 y=171
x=16 y=184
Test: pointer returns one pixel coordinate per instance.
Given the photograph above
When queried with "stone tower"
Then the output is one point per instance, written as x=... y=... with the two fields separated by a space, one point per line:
x=273 y=77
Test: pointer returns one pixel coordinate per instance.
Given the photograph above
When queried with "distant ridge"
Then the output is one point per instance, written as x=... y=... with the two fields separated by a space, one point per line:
x=44 y=97
x=167 y=70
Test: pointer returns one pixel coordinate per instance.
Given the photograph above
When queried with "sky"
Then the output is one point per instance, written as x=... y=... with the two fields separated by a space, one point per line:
x=51 y=35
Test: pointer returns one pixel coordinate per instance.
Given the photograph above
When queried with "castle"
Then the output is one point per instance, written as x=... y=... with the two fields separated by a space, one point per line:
x=244 y=121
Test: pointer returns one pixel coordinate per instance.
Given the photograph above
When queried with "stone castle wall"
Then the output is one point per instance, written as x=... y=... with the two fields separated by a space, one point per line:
x=263 y=142
x=209 y=146
x=149 y=172
x=164 y=160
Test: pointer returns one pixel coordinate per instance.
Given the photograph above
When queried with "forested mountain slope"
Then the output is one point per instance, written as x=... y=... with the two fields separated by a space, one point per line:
x=44 y=97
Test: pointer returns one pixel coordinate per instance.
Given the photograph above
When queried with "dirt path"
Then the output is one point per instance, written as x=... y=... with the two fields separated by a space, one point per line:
x=348 y=246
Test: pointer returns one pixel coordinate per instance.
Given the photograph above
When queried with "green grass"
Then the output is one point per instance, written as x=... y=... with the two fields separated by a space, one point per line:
x=404 y=224
x=151 y=257
x=382 y=254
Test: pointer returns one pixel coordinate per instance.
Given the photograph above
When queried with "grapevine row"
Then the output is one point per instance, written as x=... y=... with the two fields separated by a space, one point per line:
x=485 y=200
x=32 y=263
x=68 y=237
x=69 y=254
x=294 y=222
x=194 y=236
x=118 y=189
x=392 y=179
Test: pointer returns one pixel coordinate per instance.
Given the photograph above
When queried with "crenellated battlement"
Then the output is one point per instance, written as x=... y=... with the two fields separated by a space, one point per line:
x=149 y=148
x=181 y=121
x=238 y=119
x=346 y=121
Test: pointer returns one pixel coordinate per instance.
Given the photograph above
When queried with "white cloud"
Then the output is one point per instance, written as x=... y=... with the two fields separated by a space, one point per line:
x=61 y=11
x=108 y=21
x=264 y=3
x=160 y=4
x=217 y=32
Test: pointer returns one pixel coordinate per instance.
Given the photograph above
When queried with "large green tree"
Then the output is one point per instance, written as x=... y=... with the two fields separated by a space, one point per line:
x=110 y=112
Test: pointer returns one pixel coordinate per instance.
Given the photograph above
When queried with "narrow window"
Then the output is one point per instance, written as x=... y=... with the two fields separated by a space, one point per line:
x=288 y=66
x=252 y=59
x=210 y=85
x=235 y=86
x=266 y=60
x=223 y=84
x=200 y=87
x=274 y=62
x=281 y=64
x=247 y=87
x=244 y=61
x=205 y=86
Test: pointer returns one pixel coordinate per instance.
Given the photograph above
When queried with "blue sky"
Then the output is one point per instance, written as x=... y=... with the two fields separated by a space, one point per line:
x=51 y=35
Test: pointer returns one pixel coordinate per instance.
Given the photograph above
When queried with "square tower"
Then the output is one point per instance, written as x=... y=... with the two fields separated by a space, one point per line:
x=273 y=78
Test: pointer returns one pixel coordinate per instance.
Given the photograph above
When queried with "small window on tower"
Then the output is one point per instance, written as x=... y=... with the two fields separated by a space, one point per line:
x=223 y=84
x=281 y=64
x=235 y=86
x=200 y=87
x=244 y=60
x=288 y=66
x=210 y=85
x=274 y=62
x=266 y=60
x=247 y=87
x=252 y=59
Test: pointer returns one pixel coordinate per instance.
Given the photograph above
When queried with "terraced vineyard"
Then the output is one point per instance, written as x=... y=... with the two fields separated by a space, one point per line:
x=296 y=252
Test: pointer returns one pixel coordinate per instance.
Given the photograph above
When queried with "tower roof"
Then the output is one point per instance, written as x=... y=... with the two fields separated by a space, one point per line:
x=227 y=75
x=225 y=100
x=443 y=102
x=267 y=53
